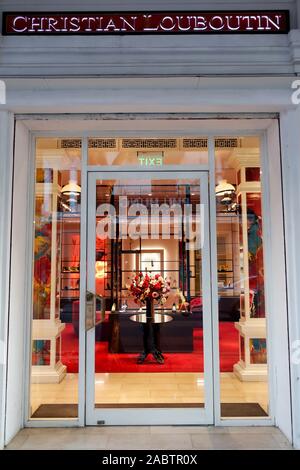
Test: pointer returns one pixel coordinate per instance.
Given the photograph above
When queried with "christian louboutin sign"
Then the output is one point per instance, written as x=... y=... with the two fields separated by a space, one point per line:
x=201 y=22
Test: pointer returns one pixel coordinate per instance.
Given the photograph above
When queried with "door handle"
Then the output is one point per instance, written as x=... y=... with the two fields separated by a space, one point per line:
x=90 y=310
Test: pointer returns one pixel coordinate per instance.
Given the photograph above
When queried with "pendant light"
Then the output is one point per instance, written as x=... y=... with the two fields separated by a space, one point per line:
x=72 y=188
x=224 y=189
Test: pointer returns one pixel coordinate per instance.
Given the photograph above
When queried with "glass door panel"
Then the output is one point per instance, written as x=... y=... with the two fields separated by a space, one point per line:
x=149 y=331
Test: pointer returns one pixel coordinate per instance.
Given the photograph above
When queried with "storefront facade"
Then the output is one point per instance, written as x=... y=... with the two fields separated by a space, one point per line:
x=205 y=124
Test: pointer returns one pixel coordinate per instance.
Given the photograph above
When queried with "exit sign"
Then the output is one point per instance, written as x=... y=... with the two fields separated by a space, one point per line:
x=150 y=159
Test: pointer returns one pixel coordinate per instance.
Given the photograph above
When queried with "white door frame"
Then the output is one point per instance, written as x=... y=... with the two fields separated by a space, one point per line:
x=150 y=416
x=252 y=127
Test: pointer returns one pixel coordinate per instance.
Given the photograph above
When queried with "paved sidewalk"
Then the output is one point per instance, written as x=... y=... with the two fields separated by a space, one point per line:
x=150 y=438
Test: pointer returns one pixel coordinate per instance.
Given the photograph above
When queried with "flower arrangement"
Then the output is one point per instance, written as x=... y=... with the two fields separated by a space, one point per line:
x=149 y=287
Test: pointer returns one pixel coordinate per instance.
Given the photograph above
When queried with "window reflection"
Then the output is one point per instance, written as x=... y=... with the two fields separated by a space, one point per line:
x=56 y=281
x=148 y=152
x=242 y=315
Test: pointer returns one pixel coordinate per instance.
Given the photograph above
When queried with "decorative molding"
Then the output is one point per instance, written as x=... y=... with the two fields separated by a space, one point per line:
x=194 y=143
x=70 y=143
x=109 y=143
x=228 y=142
x=107 y=56
x=143 y=144
x=258 y=374
x=117 y=56
x=244 y=158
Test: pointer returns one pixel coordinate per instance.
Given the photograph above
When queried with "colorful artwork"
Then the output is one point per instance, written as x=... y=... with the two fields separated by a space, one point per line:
x=101 y=266
x=258 y=351
x=44 y=175
x=255 y=256
x=42 y=266
x=41 y=352
x=58 y=263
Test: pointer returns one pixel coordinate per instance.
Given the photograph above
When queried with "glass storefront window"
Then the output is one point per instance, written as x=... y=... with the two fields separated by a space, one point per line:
x=141 y=360
x=240 y=265
x=56 y=279
x=118 y=379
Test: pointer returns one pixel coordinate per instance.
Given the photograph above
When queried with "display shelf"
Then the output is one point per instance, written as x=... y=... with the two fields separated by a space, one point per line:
x=228 y=252
x=70 y=255
x=47 y=326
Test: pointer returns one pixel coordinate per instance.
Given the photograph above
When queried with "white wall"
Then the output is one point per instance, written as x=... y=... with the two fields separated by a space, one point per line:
x=261 y=99
x=20 y=272
x=149 y=55
x=6 y=164
x=290 y=139
x=277 y=322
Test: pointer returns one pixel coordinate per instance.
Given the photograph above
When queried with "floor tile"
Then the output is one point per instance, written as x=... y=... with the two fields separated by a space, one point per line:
x=170 y=441
x=18 y=441
x=235 y=441
x=123 y=388
x=128 y=441
x=85 y=441
x=151 y=437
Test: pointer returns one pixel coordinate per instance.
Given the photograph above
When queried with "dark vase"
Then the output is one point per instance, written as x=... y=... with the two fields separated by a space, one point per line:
x=150 y=308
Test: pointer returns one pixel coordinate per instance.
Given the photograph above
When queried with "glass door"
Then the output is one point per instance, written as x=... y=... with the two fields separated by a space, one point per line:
x=148 y=301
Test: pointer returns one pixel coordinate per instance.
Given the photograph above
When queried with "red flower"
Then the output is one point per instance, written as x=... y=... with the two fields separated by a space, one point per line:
x=157 y=290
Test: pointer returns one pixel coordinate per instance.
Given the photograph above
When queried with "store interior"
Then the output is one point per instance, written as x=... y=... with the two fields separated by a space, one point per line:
x=120 y=379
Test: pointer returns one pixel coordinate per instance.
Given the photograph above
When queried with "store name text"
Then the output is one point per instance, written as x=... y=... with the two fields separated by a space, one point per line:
x=146 y=23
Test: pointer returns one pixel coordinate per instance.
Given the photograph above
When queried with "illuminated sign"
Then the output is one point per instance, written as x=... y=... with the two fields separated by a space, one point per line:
x=150 y=158
x=193 y=22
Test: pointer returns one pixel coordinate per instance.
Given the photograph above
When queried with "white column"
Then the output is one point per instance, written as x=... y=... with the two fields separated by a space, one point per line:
x=290 y=141
x=50 y=329
x=6 y=168
x=249 y=326
x=20 y=271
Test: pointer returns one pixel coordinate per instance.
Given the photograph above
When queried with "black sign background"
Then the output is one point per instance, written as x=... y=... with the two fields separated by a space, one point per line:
x=154 y=19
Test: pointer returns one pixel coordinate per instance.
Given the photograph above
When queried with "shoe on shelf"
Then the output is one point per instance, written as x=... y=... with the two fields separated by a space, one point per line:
x=141 y=358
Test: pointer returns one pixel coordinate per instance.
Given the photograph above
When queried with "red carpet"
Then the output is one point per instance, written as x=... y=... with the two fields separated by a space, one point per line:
x=174 y=362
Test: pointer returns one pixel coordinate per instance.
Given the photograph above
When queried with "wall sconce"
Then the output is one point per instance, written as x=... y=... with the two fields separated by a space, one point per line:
x=100 y=269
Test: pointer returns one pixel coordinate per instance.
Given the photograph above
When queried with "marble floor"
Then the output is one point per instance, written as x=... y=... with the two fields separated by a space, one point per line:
x=150 y=438
x=166 y=388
